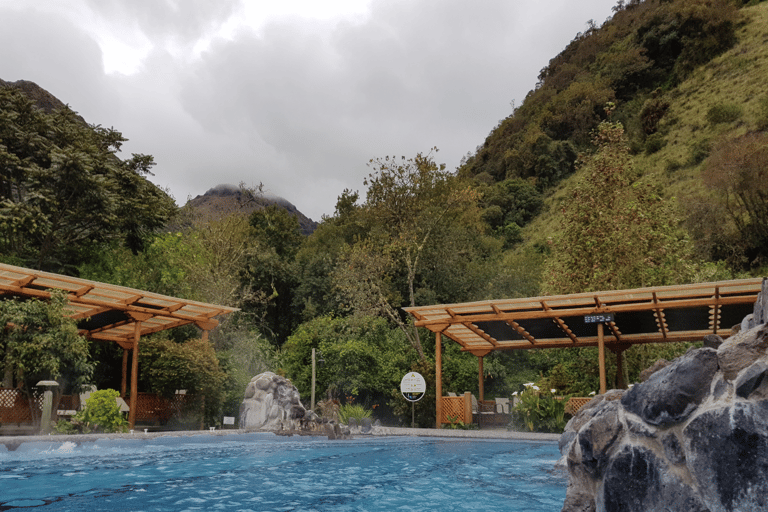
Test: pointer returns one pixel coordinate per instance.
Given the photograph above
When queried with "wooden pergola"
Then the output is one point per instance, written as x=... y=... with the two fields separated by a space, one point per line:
x=610 y=319
x=112 y=313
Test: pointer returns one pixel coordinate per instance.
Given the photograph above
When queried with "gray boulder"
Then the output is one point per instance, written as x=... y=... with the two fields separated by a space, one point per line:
x=673 y=393
x=271 y=402
x=692 y=437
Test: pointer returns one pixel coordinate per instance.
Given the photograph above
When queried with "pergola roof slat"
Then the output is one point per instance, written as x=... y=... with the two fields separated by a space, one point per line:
x=677 y=313
x=103 y=309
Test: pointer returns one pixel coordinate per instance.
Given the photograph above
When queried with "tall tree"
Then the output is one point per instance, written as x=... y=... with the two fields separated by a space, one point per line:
x=270 y=275
x=63 y=190
x=737 y=170
x=38 y=341
x=617 y=233
x=419 y=219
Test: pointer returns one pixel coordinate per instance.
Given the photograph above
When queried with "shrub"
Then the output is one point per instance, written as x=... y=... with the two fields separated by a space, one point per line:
x=762 y=114
x=101 y=414
x=356 y=411
x=699 y=152
x=654 y=143
x=724 y=113
x=540 y=411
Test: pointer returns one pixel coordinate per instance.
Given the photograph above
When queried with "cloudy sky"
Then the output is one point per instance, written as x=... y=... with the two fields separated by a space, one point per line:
x=296 y=94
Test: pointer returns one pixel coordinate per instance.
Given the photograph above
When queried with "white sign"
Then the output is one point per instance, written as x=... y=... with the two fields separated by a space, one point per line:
x=229 y=420
x=413 y=386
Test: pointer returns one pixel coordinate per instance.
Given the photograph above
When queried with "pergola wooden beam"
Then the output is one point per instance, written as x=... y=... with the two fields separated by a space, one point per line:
x=642 y=315
x=113 y=313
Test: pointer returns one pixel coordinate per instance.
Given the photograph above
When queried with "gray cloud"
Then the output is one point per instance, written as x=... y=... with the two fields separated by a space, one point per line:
x=301 y=105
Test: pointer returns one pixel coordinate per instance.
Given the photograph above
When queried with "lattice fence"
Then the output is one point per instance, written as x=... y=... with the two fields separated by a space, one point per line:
x=15 y=407
x=575 y=403
x=152 y=407
x=453 y=406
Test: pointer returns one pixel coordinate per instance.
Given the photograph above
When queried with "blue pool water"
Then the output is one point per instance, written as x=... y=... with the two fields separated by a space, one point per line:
x=263 y=472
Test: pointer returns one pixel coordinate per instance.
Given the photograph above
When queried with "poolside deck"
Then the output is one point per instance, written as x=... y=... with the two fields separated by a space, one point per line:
x=13 y=442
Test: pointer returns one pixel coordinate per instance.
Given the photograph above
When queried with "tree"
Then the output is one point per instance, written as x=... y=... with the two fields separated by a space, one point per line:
x=63 y=190
x=38 y=341
x=167 y=366
x=617 y=233
x=363 y=359
x=269 y=275
x=419 y=219
x=202 y=260
x=737 y=170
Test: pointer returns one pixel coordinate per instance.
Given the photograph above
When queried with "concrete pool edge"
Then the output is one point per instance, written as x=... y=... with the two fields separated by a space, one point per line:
x=13 y=442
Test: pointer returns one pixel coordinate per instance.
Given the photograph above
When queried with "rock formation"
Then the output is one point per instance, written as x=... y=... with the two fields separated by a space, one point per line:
x=271 y=403
x=692 y=437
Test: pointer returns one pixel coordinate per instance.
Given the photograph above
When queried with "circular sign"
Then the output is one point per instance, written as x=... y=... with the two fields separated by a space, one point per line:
x=413 y=387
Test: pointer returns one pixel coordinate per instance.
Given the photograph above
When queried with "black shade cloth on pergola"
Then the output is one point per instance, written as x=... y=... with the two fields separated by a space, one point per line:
x=112 y=313
x=612 y=319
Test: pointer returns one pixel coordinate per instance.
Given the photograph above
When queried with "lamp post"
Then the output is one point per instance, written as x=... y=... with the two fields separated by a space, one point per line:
x=45 y=419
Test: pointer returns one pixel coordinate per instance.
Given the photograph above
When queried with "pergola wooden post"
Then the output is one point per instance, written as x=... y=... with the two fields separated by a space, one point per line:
x=124 y=379
x=601 y=357
x=481 y=383
x=134 y=377
x=438 y=379
x=138 y=319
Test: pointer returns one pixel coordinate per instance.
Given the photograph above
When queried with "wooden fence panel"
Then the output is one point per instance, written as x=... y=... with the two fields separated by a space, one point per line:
x=15 y=408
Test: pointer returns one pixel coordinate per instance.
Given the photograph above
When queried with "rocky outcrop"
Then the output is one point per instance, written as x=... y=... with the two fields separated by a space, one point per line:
x=271 y=403
x=692 y=437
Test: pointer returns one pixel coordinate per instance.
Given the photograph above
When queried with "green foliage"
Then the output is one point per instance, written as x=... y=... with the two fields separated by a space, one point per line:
x=356 y=411
x=724 y=113
x=66 y=427
x=424 y=242
x=540 y=411
x=167 y=366
x=455 y=424
x=652 y=112
x=645 y=46
x=101 y=414
x=616 y=234
x=762 y=114
x=509 y=205
x=63 y=190
x=654 y=143
x=200 y=261
x=362 y=357
x=40 y=342
x=737 y=171
x=269 y=276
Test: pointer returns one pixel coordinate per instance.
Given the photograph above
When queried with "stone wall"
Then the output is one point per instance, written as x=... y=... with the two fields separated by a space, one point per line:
x=692 y=437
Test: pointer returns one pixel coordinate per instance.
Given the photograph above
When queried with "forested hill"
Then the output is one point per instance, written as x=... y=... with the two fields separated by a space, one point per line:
x=685 y=78
x=225 y=199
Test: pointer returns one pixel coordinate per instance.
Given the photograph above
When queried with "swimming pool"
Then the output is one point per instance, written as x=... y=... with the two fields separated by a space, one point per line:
x=264 y=472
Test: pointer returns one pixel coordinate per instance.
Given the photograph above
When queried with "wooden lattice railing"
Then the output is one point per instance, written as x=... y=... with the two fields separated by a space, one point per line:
x=15 y=407
x=151 y=407
x=453 y=407
x=575 y=403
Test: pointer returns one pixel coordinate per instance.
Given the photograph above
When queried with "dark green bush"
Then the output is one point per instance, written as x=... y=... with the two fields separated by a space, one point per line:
x=724 y=113
x=654 y=143
x=762 y=114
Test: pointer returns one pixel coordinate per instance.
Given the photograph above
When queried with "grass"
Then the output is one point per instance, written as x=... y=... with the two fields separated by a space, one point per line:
x=733 y=82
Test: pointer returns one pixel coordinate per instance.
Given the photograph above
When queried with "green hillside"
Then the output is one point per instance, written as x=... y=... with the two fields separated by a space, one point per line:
x=684 y=77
